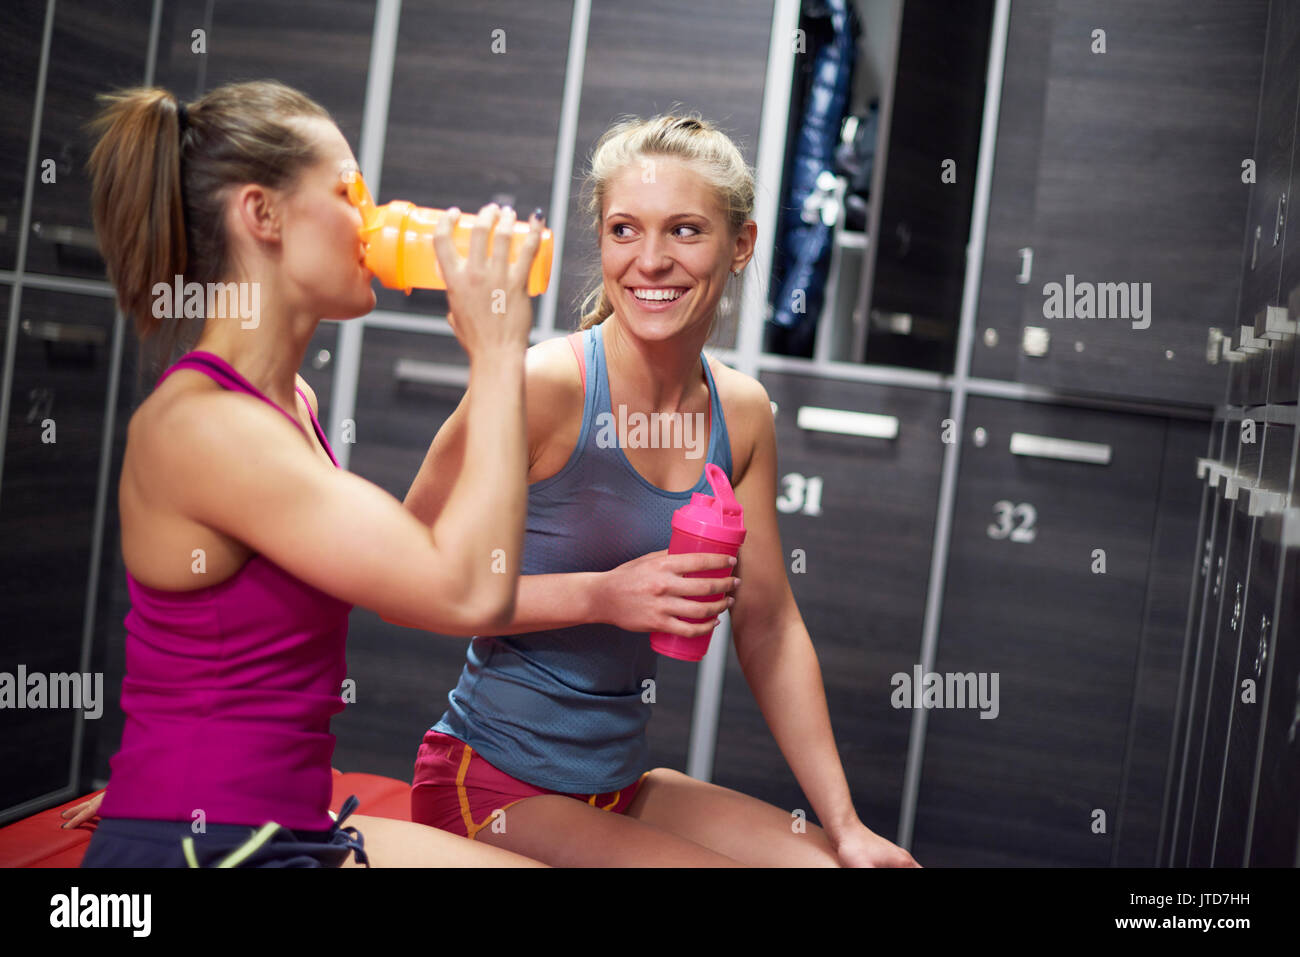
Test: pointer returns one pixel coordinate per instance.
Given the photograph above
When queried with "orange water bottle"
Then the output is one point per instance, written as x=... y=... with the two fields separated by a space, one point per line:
x=399 y=242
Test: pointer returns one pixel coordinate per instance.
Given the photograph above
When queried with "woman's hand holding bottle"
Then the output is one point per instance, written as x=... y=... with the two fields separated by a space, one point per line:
x=489 y=305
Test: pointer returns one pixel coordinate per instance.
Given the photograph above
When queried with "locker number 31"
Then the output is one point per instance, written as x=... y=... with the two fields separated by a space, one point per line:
x=800 y=494
x=1015 y=522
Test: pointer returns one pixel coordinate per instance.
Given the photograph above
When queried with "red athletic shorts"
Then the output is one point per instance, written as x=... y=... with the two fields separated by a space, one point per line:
x=456 y=790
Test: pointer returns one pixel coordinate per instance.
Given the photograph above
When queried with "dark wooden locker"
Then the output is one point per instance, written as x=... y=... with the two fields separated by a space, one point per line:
x=1168 y=210
x=1201 y=654
x=1283 y=127
x=1268 y=226
x=47 y=510
x=1173 y=568
x=95 y=47
x=1247 y=687
x=320 y=47
x=860 y=512
x=474 y=114
x=1024 y=598
x=1004 y=281
x=1274 y=819
x=1202 y=607
x=1222 y=656
x=661 y=56
x=21 y=25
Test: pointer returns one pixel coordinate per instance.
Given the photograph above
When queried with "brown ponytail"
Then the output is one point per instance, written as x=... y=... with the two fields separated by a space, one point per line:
x=158 y=192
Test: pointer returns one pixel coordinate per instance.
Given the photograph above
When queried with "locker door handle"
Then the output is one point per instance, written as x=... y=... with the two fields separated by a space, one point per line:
x=844 y=422
x=1248 y=343
x=1210 y=468
x=1261 y=501
x=1235 y=483
x=1069 y=450
x=52 y=331
x=1215 y=470
x=1229 y=353
x=1291 y=528
x=67 y=236
x=1272 y=323
x=436 y=373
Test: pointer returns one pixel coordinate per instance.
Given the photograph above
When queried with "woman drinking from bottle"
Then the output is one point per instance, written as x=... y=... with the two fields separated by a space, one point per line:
x=245 y=544
x=545 y=731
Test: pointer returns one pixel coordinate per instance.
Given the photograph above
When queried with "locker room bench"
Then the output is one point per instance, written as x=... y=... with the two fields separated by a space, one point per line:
x=38 y=841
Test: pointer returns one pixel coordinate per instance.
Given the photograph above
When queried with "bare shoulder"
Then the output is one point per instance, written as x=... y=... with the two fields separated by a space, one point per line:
x=309 y=393
x=748 y=410
x=189 y=425
x=552 y=384
x=553 y=393
x=551 y=365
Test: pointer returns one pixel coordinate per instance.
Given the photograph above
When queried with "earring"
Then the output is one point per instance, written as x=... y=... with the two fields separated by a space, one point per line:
x=736 y=272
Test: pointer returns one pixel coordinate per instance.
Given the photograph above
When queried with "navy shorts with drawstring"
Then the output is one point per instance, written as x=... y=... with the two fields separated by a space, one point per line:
x=134 y=842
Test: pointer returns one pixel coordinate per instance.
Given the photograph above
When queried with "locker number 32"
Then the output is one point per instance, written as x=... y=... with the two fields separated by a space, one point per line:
x=800 y=494
x=1015 y=522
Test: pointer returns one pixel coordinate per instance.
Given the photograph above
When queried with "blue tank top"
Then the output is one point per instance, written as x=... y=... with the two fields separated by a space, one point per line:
x=563 y=709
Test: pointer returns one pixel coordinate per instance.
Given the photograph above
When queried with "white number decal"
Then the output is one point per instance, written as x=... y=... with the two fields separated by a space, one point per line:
x=801 y=494
x=1006 y=511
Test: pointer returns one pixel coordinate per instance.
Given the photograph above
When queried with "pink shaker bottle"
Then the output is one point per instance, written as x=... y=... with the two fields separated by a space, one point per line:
x=710 y=523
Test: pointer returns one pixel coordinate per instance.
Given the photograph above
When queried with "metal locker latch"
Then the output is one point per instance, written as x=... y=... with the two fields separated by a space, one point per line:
x=1035 y=340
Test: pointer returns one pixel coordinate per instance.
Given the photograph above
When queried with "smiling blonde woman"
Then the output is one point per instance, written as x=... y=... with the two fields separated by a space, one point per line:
x=542 y=750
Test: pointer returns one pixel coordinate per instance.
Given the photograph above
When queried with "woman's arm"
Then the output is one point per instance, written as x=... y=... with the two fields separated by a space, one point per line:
x=775 y=651
x=231 y=463
x=645 y=594
x=561 y=600
x=235 y=465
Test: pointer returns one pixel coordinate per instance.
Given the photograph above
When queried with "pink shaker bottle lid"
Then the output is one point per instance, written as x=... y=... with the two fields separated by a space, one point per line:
x=718 y=517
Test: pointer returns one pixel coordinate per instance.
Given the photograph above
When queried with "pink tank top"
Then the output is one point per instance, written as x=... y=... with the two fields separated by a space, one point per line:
x=229 y=689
